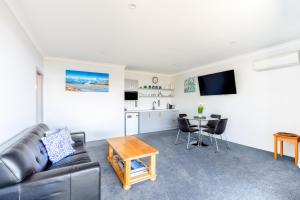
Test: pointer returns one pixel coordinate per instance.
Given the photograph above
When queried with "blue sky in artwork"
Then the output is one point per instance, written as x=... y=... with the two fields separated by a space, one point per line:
x=72 y=75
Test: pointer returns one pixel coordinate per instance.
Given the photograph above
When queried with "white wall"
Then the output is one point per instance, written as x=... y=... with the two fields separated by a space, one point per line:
x=145 y=78
x=18 y=63
x=266 y=102
x=99 y=114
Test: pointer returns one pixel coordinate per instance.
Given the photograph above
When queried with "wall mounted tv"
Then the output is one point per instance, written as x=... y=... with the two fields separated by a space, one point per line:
x=131 y=95
x=217 y=84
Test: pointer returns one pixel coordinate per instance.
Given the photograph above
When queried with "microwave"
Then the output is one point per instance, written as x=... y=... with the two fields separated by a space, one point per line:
x=132 y=95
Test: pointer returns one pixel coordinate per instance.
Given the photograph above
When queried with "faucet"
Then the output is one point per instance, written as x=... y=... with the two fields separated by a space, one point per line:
x=153 y=105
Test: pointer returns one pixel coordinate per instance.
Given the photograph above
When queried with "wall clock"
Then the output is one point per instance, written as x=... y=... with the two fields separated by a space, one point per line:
x=154 y=79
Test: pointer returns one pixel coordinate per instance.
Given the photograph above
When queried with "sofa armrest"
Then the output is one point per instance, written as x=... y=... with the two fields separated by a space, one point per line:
x=75 y=182
x=78 y=137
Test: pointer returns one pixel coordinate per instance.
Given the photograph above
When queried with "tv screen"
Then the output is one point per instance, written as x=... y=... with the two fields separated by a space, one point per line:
x=131 y=95
x=217 y=84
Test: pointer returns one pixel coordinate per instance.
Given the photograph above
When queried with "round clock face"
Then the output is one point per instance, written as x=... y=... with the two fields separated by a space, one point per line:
x=155 y=80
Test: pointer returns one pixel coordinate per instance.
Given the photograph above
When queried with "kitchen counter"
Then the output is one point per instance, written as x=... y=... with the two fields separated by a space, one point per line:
x=148 y=120
x=149 y=110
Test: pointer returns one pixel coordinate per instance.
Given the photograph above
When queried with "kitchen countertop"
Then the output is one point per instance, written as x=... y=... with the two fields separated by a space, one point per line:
x=148 y=110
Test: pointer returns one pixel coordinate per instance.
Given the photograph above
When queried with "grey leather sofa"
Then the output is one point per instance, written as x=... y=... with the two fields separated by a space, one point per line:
x=27 y=174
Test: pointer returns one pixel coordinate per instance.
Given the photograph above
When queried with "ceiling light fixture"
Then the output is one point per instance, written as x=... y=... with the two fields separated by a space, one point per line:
x=132 y=6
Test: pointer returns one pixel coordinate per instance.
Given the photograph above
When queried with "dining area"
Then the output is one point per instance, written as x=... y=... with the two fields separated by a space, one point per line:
x=194 y=131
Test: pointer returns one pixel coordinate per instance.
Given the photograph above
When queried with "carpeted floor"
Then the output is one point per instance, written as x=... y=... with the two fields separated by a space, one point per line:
x=200 y=173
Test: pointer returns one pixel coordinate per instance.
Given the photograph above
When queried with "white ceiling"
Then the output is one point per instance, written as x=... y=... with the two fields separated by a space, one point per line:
x=164 y=36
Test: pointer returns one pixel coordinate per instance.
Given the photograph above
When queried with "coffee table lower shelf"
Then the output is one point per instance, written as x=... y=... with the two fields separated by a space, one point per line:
x=126 y=179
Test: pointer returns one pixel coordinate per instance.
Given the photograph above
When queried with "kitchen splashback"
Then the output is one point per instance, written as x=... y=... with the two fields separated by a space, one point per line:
x=146 y=103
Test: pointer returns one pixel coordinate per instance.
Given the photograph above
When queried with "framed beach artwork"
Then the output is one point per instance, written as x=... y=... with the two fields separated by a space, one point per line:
x=82 y=81
x=189 y=85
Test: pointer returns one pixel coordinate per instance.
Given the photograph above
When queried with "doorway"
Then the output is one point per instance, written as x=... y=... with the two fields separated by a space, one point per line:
x=39 y=97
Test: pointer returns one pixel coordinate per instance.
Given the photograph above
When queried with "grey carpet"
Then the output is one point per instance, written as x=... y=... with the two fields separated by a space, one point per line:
x=200 y=173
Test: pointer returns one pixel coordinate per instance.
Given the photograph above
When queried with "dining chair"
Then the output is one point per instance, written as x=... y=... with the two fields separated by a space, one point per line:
x=185 y=115
x=211 y=124
x=218 y=130
x=184 y=127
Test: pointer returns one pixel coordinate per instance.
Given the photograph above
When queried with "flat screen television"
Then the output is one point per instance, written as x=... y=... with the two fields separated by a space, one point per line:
x=131 y=95
x=217 y=84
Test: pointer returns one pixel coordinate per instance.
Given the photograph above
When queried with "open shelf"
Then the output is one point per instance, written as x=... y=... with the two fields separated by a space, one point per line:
x=156 y=96
x=120 y=173
x=156 y=89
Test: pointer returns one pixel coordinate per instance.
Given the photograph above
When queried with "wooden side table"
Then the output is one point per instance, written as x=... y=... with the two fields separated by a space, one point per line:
x=291 y=138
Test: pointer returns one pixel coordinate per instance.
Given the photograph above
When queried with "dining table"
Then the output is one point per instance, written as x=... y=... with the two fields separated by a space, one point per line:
x=200 y=120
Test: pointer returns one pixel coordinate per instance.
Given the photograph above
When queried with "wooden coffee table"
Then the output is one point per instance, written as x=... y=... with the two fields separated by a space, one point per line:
x=130 y=148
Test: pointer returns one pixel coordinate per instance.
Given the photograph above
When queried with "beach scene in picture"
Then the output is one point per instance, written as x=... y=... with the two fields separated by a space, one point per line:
x=80 y=81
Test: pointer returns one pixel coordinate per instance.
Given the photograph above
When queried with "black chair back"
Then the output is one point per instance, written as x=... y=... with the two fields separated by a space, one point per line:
x=182 y=115
x=221 y=126
x=212 y=123
x=215 y=116
x=183 y=125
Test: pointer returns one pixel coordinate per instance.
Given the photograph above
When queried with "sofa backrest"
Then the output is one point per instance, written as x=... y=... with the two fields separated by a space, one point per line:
x=23 y=157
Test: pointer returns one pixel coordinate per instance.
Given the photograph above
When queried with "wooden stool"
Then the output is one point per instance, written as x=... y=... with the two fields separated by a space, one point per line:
x=286 y=137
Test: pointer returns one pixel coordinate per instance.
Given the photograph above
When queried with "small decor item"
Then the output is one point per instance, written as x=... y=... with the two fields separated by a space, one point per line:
x=155 y=79
x=200 y=109
x=58 y=146
x=145 y=86
x=189 y=85
x=149 y=87
x=160 y=87
x=80 y=81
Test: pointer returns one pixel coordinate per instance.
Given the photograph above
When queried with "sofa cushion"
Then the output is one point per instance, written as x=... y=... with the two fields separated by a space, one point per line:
x=78 y=149
x=38 y=156
x=70 y=160
x=43 y=126
x=16 y=164
x=22 y=156
x=39 y=131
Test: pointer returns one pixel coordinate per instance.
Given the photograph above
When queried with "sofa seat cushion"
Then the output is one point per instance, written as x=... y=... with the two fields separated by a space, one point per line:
x=70 y=160
x=78 y=149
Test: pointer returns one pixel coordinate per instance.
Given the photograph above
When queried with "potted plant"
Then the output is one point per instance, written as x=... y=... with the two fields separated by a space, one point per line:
x=200 y=109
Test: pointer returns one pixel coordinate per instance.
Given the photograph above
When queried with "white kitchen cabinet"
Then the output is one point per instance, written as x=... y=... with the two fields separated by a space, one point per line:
x=144 y=122
x=131 y=85
x=170 y=119
x=152 y=121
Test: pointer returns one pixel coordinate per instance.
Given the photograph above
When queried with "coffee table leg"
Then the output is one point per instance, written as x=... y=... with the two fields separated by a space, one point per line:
x=281 y=148
x=126 y=185
x=275 y=147
x=152 y=168
x=296 y=153
x=110 y=153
